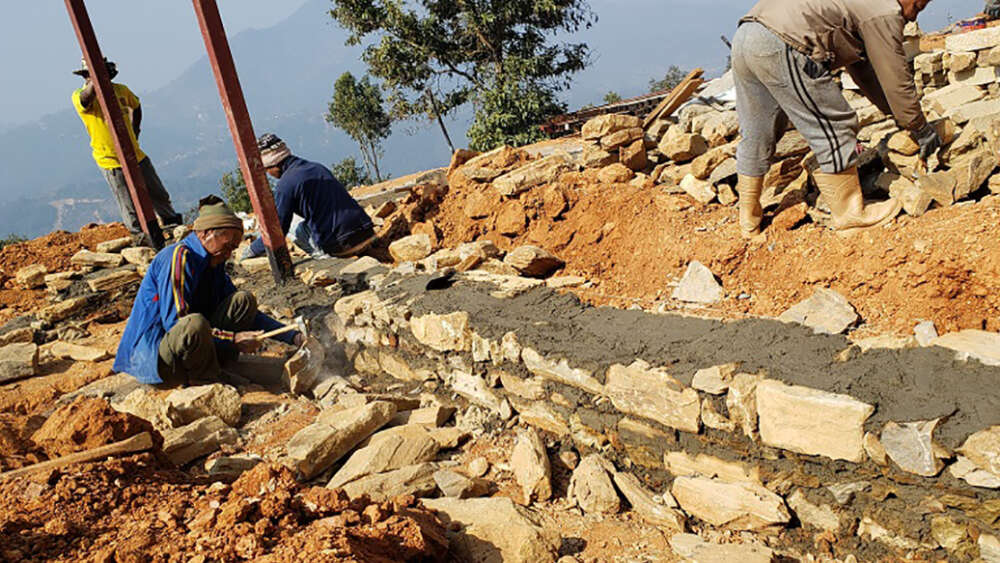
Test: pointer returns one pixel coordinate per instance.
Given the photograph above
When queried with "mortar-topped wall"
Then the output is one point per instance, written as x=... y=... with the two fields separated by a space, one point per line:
x=774 y=405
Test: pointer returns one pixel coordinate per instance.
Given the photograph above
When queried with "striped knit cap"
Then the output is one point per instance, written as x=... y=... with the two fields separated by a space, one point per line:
x=272 y=150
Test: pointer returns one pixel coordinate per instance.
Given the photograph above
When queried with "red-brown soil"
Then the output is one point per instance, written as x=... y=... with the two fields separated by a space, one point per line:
x=633 y=242
x=132 y=509
x=87 y=422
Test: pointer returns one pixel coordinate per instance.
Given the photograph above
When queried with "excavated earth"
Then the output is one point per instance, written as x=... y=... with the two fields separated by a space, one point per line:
x=632 y=243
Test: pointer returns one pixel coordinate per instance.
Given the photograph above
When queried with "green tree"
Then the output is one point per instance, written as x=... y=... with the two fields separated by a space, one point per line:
x=350 y=174
x=357 y=109
x=612 y=97
x=436 y=55
x=11 y=239
x=234 y=191
x=670 y=80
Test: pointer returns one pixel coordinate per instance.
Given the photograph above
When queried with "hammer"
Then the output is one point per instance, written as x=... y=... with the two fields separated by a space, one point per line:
x=299 y=325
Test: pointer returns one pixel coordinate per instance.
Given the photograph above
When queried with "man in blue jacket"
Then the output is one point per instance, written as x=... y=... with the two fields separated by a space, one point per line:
x=188 y=317
x=336 y=224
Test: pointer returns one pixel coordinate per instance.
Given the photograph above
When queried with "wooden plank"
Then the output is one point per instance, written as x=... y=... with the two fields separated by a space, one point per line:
x=137 y=443
x=680 y=94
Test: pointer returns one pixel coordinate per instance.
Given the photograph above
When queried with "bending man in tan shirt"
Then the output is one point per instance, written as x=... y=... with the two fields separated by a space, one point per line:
x=783 y=55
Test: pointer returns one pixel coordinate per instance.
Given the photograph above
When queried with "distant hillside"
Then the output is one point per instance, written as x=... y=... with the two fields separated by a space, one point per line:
x=287 y=72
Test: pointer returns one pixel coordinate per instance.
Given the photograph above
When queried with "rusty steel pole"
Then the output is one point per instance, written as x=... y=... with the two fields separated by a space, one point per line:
x=221 y=58
x=113 y=116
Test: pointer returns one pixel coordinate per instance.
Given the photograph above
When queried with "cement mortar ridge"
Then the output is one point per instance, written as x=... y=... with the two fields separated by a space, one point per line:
x=903 y=385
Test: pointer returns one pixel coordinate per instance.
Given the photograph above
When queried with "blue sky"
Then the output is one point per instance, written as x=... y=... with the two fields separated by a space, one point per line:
x=156 y=40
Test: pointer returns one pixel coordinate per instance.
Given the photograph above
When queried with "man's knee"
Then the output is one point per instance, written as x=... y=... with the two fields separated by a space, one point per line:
x=236 y=313
x=194 y=331
x=244 y=303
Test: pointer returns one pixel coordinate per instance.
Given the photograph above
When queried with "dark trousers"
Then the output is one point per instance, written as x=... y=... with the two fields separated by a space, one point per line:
x=189 y=352
x=158 y=196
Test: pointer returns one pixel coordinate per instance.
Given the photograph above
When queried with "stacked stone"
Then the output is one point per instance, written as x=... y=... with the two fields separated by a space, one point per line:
x=616 y=138
x=638 y=409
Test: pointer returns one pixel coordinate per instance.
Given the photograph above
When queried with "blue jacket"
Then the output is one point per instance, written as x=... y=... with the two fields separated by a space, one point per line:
x=180 y=281
x=310 y=190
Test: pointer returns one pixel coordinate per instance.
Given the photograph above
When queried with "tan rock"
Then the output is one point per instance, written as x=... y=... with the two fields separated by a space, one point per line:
x=193 y=403
x=31 y=276
x=983 y=449
x=701 y=190
x=819 y=516
x=531 y=388
x=387 y=450
x=533 y=261
x=530 y=464
x=114 y=245
x=149 y=406
x=96 y=259
x=652 y=393
x=76 y=352
x=541 y=171
x=698 y=285
x=591 y=487
x=693 y=548
x=542 y=416
x=711 y=418
x=703 y=166
x=645 y=504
x=903 y=143
x=683 y=464
x=494 y=530
x=318 y=446
x=593 y=156
x=811 y=421
x=826 y=312
x=604 y=125
x=733 y=506
x=741 y=402
x=979 y=345
x=912 y=447
x=621 y=138
x=411 y=248
x=560 y=371
x=416 y=480
x=201 y=437
x=682 y=147
x=615 y=173
x=973 y=475
x=634 y=156
x=138 y=255
x=476 y=390
x=444 y=333
x=18 y=360
x=873 y=447
x=113 y=280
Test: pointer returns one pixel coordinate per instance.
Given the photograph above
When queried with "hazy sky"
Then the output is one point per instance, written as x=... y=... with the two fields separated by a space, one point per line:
x=153 y=41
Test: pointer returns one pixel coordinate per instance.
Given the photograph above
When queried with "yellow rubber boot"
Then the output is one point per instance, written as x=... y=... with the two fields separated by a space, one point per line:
x=847 y=206
x=751 y=213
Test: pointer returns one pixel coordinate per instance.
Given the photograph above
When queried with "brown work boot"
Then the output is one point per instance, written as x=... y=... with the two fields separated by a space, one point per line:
x=751 y=212
x=842 y=193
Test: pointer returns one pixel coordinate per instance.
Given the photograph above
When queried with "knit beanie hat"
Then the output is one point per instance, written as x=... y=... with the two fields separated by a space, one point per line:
x=272 y=150
x=213 y=213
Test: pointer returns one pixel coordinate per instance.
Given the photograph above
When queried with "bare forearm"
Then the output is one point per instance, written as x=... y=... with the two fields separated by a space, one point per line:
x=136 y=121
x=87 y=94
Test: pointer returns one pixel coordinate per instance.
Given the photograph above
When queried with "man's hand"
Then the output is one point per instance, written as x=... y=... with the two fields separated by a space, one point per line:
x=992 y=8
x=249 y=342
x=928 y=140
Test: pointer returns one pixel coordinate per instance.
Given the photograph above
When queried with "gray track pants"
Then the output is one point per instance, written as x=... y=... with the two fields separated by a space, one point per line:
x=158 y=196
x=775 y=83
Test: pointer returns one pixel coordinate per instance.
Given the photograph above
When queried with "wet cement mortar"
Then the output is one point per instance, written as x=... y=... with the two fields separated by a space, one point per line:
x=903 y=385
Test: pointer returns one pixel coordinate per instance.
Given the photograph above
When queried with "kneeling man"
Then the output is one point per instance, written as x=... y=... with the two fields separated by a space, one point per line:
x=188 y=317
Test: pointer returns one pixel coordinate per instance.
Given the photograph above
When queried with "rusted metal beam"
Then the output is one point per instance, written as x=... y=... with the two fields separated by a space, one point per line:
x=113 y=116
x=221 y=58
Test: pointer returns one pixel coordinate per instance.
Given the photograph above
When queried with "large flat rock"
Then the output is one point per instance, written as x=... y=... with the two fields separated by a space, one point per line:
x=388 y=450
x=652 y=393
x=494 y=530
x=734 y=506
x=810 y=421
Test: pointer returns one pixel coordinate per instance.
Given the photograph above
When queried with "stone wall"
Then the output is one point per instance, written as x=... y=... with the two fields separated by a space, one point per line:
x=739 y=450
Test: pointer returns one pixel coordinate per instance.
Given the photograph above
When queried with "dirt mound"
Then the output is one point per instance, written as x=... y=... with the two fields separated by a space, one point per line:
x=133 y=510
x=87 y=422
x=15 y=450
x=52 y=251
x=632 y=242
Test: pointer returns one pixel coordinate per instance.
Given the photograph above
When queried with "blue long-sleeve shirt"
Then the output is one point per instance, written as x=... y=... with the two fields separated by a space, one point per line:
x=310 y=190
x=180 y=281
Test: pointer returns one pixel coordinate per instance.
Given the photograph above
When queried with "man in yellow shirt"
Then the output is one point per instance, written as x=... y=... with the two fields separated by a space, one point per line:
x=89 y=110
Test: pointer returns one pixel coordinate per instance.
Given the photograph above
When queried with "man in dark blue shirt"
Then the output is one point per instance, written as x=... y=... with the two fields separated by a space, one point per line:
x=337 y=224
